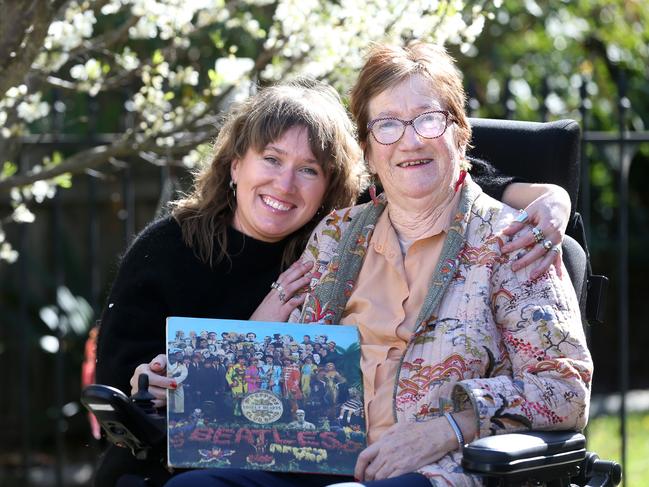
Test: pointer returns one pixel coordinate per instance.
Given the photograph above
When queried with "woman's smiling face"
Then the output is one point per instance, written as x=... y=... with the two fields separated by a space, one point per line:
x=414 y=167
x=278 y=189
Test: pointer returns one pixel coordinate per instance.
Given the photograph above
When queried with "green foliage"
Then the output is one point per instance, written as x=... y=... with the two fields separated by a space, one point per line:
x=564 y=43
x=604 y=438
x=8 y=170
x=539 y=58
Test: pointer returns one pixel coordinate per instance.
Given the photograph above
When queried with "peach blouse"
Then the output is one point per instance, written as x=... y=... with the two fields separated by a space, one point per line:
x=384 y=304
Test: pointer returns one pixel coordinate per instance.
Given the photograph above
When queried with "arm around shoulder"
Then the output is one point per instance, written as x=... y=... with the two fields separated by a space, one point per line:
x=522 y=195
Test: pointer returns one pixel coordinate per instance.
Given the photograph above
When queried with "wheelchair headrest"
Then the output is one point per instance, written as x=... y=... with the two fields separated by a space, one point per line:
x=536 y=152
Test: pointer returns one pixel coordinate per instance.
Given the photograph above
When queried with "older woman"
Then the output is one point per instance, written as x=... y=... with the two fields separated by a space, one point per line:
x=473 y=346
x=457 y=340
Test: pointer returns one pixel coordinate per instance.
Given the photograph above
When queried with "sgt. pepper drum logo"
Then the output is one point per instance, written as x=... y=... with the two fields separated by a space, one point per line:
x=262 y=407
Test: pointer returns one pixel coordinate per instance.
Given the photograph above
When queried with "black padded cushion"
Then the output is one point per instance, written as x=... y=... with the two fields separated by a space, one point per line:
x=537 y=152
x=519 y=452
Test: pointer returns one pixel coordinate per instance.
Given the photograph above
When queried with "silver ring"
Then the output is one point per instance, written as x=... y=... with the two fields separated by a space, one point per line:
x=547 y=245
x=522 y=216
x=556 y=248
x=538 y=235
x=280 y=290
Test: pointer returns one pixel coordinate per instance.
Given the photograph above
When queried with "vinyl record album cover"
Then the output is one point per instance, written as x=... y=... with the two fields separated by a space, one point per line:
x=266 y=396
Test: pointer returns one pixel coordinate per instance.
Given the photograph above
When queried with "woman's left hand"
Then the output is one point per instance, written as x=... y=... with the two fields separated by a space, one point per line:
x=405 y=448
x=549 y=213
x=285 y=294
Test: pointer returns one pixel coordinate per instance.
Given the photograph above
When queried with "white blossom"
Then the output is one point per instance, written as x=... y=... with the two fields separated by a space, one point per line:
x=33 y=108
x=196 y=156
x=22 y=214
x=7 y=253
x=232 y=69
x=127 y=59
x=43 y=189
x=90 y=71
x=49 y=343
x=144 y=29
x=183 y=76
x=69 y=33
x=112 y=7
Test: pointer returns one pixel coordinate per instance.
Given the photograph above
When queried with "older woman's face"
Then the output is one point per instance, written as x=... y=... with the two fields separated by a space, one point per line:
x=413 y=168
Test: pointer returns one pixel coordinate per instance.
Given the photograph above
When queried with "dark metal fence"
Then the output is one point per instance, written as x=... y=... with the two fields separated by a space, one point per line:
x=102 y=213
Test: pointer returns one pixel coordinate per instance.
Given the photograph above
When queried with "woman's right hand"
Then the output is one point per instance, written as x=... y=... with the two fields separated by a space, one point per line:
x=284 y=297
x=158 y=381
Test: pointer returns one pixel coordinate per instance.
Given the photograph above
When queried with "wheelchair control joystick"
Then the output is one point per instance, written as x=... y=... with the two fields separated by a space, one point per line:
x=143 y=398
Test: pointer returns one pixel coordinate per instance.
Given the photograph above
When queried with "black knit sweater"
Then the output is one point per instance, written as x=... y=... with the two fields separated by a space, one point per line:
x=160 y=276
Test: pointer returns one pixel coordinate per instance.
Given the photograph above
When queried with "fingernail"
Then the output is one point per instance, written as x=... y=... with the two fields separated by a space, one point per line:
x=173 y=385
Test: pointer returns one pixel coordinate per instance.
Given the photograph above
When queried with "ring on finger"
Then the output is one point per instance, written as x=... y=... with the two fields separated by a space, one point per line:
x=522 y=216
x=275 y=285
x=547 y=245
x=556 y=248
x=538 y=234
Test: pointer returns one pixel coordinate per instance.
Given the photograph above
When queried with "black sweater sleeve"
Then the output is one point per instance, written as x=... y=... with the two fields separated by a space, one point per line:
x=490 y=179
x=132 y=328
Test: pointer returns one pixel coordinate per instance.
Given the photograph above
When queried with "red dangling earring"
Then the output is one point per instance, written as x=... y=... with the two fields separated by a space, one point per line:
x=373 y=196
x=460 y=180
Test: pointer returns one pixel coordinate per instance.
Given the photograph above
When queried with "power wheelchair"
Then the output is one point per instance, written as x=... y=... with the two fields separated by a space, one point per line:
x=541 y=152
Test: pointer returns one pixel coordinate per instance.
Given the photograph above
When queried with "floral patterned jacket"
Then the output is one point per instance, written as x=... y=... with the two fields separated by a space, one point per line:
x=510 y=347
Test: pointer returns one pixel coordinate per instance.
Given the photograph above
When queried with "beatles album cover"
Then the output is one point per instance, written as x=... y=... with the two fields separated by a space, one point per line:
x=266 y=396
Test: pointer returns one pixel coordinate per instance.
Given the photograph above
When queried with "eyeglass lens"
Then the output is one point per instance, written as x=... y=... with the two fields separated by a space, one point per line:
x=428 y=125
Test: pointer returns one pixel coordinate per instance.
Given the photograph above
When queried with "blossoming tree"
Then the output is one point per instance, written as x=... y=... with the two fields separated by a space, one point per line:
x=180 y=63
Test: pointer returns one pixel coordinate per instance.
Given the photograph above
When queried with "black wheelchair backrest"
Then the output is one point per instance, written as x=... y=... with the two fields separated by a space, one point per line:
x=541 y=152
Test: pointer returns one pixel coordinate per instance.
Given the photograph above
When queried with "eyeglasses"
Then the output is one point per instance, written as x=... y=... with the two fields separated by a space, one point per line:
x=428 y=125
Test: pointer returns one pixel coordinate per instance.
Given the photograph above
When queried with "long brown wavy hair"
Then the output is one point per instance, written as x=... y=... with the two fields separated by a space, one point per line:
x=205 y=214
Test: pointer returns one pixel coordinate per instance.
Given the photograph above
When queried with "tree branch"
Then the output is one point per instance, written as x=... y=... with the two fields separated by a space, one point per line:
x=39 y=19
x=74 y=164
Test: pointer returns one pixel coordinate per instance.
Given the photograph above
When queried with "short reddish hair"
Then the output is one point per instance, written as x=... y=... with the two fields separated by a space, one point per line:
x=386 y=66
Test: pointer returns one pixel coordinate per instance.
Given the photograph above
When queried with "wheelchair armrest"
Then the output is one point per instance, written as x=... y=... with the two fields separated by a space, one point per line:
x=126 y=423
x=533 y=455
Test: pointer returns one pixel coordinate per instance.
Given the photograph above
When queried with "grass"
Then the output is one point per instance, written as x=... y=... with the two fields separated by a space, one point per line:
x=604 y=438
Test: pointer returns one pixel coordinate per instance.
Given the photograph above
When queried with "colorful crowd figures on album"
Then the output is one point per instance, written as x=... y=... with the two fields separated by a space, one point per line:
x=267 y=396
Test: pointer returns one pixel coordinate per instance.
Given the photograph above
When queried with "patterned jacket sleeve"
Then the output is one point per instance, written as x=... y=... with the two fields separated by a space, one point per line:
x=544 y=346
x=311 y=254
x=322 y=245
